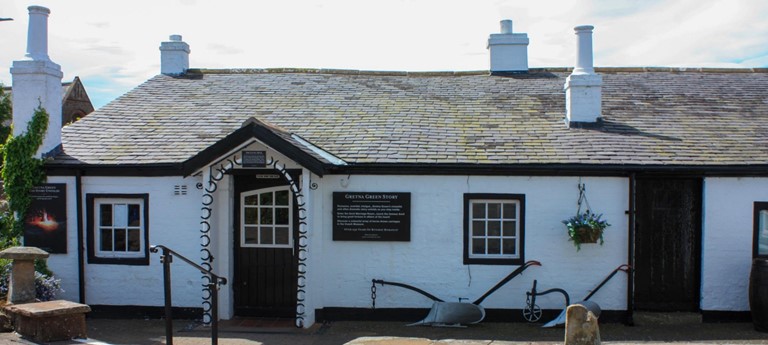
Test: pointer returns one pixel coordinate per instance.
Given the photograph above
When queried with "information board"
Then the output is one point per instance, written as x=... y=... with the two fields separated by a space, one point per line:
x=45 y=226
x=360 y=216
x=254 y=159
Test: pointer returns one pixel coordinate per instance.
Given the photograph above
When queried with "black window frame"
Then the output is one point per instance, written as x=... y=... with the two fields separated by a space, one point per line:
x=521 y=235
x=91 y=236
x=759 y=206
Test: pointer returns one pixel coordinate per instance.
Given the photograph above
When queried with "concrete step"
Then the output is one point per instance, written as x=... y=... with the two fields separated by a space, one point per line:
x=646 y=318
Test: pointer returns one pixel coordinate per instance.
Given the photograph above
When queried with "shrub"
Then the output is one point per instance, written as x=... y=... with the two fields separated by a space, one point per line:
x=46 y=286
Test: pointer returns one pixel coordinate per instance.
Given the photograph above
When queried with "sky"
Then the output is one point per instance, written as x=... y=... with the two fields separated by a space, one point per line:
x=113 y=45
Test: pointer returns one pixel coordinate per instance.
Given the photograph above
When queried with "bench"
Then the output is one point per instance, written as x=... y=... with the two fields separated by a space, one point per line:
x=49 y=321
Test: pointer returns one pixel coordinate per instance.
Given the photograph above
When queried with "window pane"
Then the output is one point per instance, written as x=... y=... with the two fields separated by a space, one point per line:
x=510 y=211
x=265 y=216
x=494 y=211
x=121 y=215
x=281 y=216
x=281 y=197
x=478 y=228
x=120 y=240
x=281 y=235
x=478 y=246
x=106 y=240
x=251 y=214
x=478 y=210
x=266 y=235
x=494 y=246
x=134 y=240
x=134 y=215
x=105 y=215
x=494 y=228
x=251 y=235
x=265 y=199
x=509 y=247
x=252 y=200
x=509 y=229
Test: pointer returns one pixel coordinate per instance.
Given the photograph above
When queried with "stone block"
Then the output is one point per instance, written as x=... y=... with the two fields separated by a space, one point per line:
x=581 y=326
x=49 y=321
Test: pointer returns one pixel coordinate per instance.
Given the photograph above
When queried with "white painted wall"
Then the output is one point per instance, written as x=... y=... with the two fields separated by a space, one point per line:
x=339 y=273
x=173 y=221
x=433 y=259
x=64 y=266
x=727 y=241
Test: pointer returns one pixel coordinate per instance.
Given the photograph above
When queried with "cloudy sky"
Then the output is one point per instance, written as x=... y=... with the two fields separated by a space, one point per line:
x=113 y=45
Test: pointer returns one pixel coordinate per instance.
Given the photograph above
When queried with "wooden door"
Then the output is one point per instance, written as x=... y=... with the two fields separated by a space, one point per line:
x=265 y=246
x=668 y=244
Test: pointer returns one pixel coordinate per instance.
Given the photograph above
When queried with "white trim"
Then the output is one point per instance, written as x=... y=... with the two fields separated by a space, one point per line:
x=142 y=227
x=273 y=226
x=501 y=236
x=325 y=154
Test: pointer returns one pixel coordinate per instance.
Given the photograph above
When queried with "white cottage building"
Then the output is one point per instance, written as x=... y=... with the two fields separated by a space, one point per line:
x=301 y=186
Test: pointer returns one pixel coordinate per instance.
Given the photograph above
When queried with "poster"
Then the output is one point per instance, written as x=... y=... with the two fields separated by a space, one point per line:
x=371 y=216
x=45 y=226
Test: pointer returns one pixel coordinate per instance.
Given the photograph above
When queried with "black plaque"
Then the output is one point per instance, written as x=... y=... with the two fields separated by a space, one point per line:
x=45 y=226
x=254 y=159
x=371 y=216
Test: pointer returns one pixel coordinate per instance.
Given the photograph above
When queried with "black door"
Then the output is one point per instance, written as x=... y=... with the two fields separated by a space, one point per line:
x=266 y=224
x=668 y=244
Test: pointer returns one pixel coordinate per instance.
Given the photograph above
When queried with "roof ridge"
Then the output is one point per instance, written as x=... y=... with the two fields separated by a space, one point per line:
x=465 y=73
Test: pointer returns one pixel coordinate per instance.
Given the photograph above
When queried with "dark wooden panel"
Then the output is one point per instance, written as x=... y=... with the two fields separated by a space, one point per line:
x=668 y=244
x=265 y=278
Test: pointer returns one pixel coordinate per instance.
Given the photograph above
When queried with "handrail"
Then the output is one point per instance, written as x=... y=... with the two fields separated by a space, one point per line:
x=213 y=287
x=221 y=280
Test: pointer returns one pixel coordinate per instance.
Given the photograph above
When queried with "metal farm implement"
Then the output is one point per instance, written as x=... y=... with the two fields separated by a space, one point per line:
x=532 y=312
x=452 y=313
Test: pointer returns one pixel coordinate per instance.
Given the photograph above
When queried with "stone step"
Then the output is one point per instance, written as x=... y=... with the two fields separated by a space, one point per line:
x=643 y=318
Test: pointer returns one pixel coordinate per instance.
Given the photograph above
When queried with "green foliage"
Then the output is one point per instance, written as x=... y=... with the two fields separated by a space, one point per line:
x=21 y=171
x=5 y=114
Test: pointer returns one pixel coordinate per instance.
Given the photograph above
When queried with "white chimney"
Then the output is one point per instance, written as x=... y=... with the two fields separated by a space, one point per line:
x=174 y=56
x=36 y=81
x=509 y=51
x=583 y=87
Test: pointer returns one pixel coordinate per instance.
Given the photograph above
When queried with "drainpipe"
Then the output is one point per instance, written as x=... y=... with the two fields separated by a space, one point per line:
x=80 y=232
x=629 y=321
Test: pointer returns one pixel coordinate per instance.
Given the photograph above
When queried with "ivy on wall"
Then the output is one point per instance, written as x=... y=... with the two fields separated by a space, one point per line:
x=21 y=171
x=5 y=114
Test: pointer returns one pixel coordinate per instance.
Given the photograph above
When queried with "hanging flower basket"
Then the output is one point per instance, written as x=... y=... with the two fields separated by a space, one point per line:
x=586 y=234
x=586 y=227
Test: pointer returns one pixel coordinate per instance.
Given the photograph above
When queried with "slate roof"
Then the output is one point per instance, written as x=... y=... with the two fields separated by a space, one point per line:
x=652 y=116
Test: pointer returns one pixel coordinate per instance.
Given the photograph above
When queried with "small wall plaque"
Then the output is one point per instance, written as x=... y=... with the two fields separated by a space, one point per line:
x=254 y=159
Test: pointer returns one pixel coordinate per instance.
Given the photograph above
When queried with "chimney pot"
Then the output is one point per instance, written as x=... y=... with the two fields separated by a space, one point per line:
x=509 y=51
x=37 y=33
x=584 y=61
x=175 y=38
x=506 y=26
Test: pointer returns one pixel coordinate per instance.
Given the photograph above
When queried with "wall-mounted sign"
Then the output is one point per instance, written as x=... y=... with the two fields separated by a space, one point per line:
x=371 y=216
x=45 y=226
x=254 y=159
x=267 y=176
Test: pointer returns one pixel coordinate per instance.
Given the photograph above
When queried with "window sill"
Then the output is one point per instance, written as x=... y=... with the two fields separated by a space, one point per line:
x=141 y=261
x=479 y=261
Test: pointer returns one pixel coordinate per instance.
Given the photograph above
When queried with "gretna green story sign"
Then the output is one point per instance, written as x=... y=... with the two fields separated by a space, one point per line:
x=359 y=216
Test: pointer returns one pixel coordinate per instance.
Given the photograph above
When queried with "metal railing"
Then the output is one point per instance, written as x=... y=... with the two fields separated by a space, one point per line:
x=166 y=258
